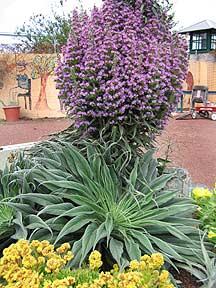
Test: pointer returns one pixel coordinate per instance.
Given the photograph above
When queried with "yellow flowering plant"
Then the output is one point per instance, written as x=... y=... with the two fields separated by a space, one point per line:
x=206 y=211
x=201 y=193
x=29 y=264
x=147 y=272
x=39 y=265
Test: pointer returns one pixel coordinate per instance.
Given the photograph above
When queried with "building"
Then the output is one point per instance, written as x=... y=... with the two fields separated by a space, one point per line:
x=202 y=63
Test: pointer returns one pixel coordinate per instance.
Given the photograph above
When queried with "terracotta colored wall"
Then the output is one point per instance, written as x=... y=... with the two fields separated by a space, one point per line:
x=27 y=65
x=202 y=68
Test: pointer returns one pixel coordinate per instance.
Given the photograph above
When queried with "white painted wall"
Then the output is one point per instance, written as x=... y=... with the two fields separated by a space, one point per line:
x=5 y=151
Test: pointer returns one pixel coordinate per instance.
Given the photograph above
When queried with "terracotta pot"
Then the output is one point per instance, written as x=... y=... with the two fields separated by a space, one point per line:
x=12 y=113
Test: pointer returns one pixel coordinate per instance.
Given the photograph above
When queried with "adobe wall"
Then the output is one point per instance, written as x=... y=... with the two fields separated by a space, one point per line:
x=202 y=67
x=39 y=69
x=45 y=102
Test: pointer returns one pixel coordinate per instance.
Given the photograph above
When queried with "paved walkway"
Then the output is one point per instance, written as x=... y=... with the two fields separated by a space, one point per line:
x=192 y=142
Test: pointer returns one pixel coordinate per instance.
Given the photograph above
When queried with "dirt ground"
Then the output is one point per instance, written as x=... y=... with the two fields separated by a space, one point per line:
x=192 y=142
x=193 y=147
x=25 y=131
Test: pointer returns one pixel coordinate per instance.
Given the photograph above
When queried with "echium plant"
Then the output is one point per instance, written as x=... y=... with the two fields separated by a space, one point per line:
x=122 y=66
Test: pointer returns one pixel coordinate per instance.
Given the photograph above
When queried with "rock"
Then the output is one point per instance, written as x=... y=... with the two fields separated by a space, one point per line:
x=181 y=182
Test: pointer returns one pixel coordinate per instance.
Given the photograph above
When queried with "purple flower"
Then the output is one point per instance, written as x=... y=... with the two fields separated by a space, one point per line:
x=117 y=68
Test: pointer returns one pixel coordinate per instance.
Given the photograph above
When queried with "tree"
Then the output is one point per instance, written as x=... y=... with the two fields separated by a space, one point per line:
x=42 y=67
x=7 y=67
x=45 y=34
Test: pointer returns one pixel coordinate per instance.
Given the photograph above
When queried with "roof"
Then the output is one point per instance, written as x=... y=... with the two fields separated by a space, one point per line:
x=203 y=25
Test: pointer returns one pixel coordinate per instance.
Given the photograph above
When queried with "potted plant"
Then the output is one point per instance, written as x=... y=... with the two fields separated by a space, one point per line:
x=12 y=107
x=11 y=110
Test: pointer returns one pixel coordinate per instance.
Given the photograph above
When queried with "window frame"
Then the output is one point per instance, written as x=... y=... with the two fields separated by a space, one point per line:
x=200 y=41
x=210 y=33
x=213 y=40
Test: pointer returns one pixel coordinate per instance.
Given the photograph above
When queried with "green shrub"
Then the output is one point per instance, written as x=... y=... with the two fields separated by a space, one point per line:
x=82 y=200
x=206 y=212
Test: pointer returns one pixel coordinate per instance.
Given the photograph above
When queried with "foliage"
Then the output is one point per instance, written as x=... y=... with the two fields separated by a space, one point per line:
x=209 y=271
x=118 y=148
x=206 y=200
x=119 y=68
x=83 y=201
x=38 y=264
x=11 y=185
x=43 y=65
x=45 y=34
x=206 y=272
x=6 y=213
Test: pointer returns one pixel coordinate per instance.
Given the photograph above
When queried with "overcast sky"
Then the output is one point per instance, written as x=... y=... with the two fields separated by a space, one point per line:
x=15 y=12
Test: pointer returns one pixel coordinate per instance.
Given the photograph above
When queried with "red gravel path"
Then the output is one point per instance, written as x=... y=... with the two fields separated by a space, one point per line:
x=193 y=146
x=30 y=130
x=193 y=142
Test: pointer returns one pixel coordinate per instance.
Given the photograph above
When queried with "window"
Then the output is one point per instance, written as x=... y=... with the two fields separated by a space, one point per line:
x=199 y=41
x=213 y=41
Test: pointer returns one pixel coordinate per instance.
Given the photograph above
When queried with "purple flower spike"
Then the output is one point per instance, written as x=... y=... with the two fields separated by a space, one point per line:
x=118 y=68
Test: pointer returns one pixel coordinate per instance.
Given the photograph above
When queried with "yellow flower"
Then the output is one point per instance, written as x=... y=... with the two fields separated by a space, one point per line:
x=35 y=244
x=115 y=268
x=54 y=264
x=63 y=283
x=164 y=276
x=142 y=265
x=211 y=234
x=25 y=271
x=22 y=242
x=41 y=260
x=71 y=280
x=20 y=265
x=95 y=260
x=39 y=248
x=47 y=284
x=146 y=258
x=106 y=276
x=45 y=243
x=60 y=283
x=200 y=192
x=63 y=248
x=69 y=256
x=29 y=262
x=157 y=260
x=47 y=250
x=134 y=265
